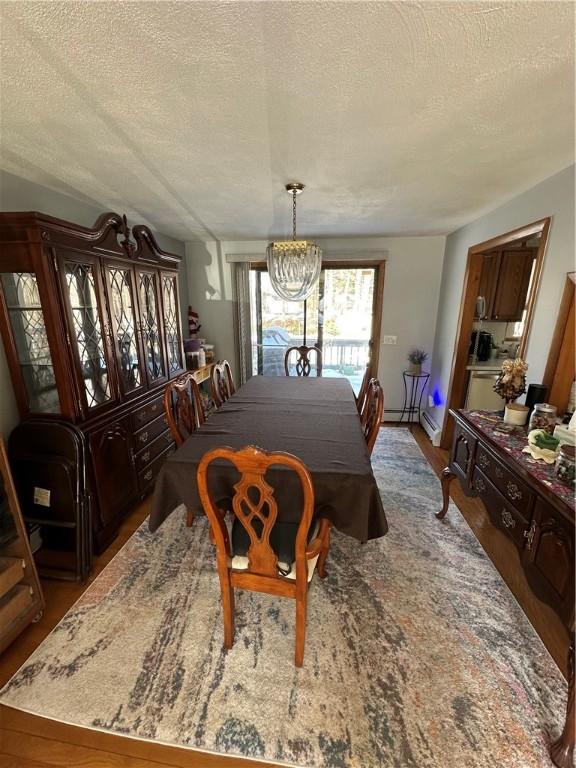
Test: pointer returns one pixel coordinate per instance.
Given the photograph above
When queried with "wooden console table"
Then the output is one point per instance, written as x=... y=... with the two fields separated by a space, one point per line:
x=525 y=500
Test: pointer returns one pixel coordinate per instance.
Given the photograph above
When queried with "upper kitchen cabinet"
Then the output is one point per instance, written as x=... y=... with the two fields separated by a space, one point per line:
x=504 y=283
x=90 y=324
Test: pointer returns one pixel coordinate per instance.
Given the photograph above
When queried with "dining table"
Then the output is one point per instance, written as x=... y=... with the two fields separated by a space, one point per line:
x=313 y=418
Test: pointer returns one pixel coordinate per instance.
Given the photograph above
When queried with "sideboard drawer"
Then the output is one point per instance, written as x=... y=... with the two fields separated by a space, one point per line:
x=149 y=433
x=148 y=412
x=510 y=486
x=148 y=475
x=502 y=513
x=150 y=451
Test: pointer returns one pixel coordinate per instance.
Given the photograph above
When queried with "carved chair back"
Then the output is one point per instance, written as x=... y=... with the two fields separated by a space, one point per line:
x=183 y=407
x=364 y=388
x=221 y=382
x=303 y=362
x=256 y=509
x=371 y=416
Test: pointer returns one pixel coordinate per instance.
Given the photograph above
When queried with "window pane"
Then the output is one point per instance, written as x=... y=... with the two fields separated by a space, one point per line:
x=31 y=340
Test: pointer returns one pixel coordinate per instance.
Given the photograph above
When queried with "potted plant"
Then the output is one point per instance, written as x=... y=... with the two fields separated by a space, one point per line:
x=416 y=357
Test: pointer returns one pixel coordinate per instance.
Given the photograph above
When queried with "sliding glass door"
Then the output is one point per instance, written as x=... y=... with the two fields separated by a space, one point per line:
x=342 y=318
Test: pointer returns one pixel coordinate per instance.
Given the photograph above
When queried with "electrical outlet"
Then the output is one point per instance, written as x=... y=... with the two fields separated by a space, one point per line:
x=389 y=339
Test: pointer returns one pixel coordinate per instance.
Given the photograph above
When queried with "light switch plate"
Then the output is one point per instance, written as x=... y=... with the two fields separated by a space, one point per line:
x=389 y=339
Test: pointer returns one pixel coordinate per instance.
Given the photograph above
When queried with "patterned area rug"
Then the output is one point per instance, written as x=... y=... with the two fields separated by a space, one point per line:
x=417 y=656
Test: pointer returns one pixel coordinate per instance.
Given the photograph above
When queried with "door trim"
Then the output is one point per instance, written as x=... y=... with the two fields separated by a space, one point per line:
x=458 y=374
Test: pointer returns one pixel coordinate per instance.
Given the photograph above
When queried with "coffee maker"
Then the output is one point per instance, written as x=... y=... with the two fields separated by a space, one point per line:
x=482 y=346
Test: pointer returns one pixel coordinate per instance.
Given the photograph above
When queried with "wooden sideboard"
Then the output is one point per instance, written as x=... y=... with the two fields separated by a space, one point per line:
x=525 y=502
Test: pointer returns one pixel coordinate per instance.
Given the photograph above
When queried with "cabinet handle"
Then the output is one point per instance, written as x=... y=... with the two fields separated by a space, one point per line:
x=154 y=407
x=143 y=437
x=499 y=473
x=483 y=461
x=529 y=534
x=148 y=475
x=513 y=491
x=146 y=456
x=507 y=518
x=479 y=485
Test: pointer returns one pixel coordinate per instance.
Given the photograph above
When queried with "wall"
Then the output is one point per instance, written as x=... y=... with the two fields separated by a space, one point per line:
x=553 y=197
x=411 y=292
x=18 y=194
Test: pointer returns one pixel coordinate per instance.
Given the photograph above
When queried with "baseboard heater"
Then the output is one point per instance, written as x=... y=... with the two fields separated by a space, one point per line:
x=431 y=428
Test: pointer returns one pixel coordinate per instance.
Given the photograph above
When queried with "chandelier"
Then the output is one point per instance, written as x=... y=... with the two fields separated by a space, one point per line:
x=294 y=265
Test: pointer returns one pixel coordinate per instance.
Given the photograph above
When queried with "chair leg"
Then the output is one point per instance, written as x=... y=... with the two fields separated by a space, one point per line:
x=228 y=609
x=301 y=601
x=189 y=517
x=323 y=555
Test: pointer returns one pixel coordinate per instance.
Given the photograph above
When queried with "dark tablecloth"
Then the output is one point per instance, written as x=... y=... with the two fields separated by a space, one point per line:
x=313 y=418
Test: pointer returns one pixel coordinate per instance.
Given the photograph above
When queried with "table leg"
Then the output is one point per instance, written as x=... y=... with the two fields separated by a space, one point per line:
x=445 y=480
x=562 y=750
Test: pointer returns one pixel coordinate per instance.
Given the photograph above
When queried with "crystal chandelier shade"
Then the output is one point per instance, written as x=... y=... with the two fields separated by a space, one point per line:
x=294 y=265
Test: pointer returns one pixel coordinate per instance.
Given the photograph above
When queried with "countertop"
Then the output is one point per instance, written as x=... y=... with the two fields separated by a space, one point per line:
x=488 y=366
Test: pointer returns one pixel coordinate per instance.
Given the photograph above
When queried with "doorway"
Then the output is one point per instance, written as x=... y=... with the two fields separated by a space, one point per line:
x=342 y=318
x=500 y=287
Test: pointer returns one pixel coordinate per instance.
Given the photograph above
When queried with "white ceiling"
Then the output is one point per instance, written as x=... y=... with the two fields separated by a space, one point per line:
x=400 y=117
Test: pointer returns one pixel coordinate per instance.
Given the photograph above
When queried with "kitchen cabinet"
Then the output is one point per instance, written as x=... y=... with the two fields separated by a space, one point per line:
x=504 y=283
x=90 y=321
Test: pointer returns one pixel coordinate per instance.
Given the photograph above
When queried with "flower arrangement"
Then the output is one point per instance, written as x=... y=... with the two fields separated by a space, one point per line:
x=417 y=356
x=512 y=381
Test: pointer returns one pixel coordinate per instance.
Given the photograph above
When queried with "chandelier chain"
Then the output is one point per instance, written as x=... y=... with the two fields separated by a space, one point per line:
x=293 y=214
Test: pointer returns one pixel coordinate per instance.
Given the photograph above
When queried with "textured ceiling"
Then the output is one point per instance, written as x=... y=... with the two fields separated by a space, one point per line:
x=400 y=117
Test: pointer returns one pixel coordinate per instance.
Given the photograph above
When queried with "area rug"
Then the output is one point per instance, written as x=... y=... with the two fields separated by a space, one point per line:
x=417 y=655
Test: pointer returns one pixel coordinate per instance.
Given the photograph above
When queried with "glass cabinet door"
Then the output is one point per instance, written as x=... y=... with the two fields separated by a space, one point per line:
x=172 y=323
x=123 y=310
x=31 y=341
x=154 y=363
x=82 y=288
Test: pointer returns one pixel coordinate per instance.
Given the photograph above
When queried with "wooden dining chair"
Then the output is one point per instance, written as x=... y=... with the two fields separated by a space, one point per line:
x=371 y=416
x=303 y=362
x=184 y=413
x=221 y=382
x=363 y=389
x=255 y=509
x=183 y=407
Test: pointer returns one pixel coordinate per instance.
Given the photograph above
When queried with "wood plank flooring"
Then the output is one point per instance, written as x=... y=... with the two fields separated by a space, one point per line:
x=27 y=741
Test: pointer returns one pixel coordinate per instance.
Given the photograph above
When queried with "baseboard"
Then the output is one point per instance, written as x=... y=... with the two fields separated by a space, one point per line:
x=432 y=429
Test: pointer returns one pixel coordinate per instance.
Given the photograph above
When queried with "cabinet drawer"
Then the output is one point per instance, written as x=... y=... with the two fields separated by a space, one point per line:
x=11 y=572
x=152 y=450
x=150 y=432
x=148 y=412
x=147 y=476
x=513 y=489
x=502 y=513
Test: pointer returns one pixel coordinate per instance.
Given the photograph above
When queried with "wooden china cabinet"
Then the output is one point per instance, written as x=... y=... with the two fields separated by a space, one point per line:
x=90 y=321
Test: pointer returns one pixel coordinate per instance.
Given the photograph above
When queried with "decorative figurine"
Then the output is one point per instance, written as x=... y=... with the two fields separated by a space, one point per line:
x=512 y=381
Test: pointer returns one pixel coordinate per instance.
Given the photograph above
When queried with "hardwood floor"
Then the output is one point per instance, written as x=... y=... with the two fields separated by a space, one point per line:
x=27 y=741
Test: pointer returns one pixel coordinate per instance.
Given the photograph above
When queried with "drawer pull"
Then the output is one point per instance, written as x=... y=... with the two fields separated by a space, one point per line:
x=507 y=519
x=143 y=437
x=154 y=408
x=483 y=461
x=513 y=491
x=148 y=475
x=479 y=485
x=499 y=473
x=529 y=535
x=146 y=456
